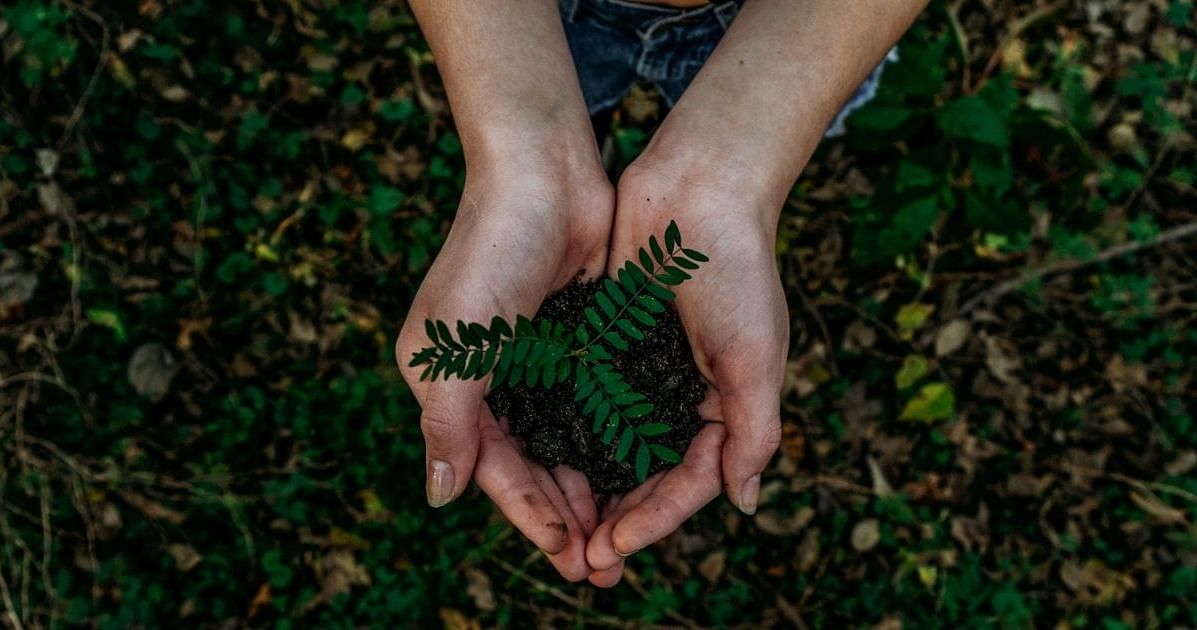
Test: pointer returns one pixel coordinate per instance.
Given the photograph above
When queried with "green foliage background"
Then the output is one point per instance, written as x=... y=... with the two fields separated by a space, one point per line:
x=213 y=216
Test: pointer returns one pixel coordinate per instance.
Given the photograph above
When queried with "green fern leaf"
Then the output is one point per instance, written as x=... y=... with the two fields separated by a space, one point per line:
x=602 y=411
x=593 y=402
x=642 y=317
x=685 y=263
x=625 y=444
x=614 y=292
x=625 y=279
x=471 y=367
x=666 y=453
x=653 y=429
x=488 y=361
x=660 y=292
x=646 y=261
x=592 y=316
x=627 y=398
x=499 y=328
x=642 y=461
x=638 y=276
x=426 y=355
x=430 y=330
x=639 y=410
x=673 y=236
x=650 y=303
x=614 y=339
x=612 y=428
x=658 y=254
x=522 y=347
x=696 y=255
x=467 y=336
x=599 y=352
x=446 y=336
x=630 y=330
x=605 y=303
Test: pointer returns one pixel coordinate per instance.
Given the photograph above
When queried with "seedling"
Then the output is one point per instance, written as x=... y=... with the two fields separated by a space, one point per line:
x=547 y=355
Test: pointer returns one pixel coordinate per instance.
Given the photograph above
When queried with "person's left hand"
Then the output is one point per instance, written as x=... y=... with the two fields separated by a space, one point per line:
x=734 y=313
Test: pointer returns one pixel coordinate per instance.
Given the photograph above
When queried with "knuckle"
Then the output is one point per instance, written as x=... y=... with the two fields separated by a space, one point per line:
x=437 y=423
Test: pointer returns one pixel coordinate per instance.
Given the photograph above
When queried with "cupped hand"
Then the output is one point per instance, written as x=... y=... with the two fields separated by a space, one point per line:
x=521 y=232
x=734 y=313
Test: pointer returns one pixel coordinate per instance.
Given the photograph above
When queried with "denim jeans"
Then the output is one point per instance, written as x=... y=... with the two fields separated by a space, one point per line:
x=617 y=43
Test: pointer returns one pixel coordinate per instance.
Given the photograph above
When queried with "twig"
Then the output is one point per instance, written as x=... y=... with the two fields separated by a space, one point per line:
x=77 y=113
x=1179 y=232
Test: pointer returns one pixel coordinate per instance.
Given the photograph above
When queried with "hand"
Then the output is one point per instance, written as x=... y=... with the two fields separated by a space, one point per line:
x=522 y=231
x=735 y=315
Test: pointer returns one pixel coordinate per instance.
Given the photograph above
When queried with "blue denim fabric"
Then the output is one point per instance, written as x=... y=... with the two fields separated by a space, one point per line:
x=617 y=43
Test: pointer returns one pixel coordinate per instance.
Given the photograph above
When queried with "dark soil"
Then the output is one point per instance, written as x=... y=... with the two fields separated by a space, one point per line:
x=553 y=427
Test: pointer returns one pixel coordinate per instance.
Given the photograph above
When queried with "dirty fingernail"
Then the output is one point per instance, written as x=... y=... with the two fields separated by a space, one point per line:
x=749 y=494
x=440 y=483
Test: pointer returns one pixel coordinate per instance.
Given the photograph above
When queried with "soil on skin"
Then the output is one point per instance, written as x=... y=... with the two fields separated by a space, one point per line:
x=553 y=427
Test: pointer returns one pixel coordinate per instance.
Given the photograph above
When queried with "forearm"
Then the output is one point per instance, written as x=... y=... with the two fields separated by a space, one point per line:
x=509 y=76
x=760 y=105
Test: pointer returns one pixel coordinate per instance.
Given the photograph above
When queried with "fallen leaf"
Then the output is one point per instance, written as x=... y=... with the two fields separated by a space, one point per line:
x=951 y=337
x=772 y=522
x=1157 y=509
x=185 y=556
x=933 y=402
x=881 y=486
x=480 y=590
x=713 y=565
x=913 y=368
x=151 y=369
x=866 y=534
x=456 y=620
x=911 y=317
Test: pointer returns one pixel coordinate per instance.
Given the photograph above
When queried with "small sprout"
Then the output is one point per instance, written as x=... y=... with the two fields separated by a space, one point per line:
x=547 y=355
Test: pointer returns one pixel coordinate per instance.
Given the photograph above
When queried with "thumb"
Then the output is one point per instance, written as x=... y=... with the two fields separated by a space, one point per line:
x=753 y=418
x=449 y=422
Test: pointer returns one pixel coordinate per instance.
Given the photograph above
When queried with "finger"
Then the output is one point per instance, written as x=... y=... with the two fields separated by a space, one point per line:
x=711 y=407
x=570 y=562
x=600 y=550
x=505 y=476
x=753 y=418
x=449 y=422
x=578 y=495
x=682 y=492
x=608 y=577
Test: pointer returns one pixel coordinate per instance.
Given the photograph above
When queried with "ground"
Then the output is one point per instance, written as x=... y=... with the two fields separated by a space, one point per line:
x=214 y=215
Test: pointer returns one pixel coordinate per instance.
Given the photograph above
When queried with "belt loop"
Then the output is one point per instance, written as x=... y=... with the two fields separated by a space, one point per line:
x=727 y=11
x=569 y=9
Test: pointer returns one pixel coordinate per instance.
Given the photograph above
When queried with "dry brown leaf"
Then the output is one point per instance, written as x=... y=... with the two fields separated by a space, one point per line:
x=866 y=534
x=951 y=337
x=185 y=556
x=452 y=619
x=480 y=590
x=774 y=523
x=713 y=565
x=1157 y=509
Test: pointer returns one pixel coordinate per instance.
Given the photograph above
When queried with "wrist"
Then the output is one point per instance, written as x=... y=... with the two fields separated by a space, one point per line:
x=692 y=176
x=723 y=161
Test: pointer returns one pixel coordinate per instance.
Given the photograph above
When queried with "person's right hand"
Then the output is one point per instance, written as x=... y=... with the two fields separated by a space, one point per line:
x=525 y=228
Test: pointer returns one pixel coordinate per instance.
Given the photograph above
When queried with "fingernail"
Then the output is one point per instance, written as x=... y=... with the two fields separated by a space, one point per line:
x=749 y=494
x=440 y=483
x=622 y=554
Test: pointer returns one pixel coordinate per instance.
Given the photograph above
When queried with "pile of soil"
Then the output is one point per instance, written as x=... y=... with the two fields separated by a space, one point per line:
x=552 y=425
